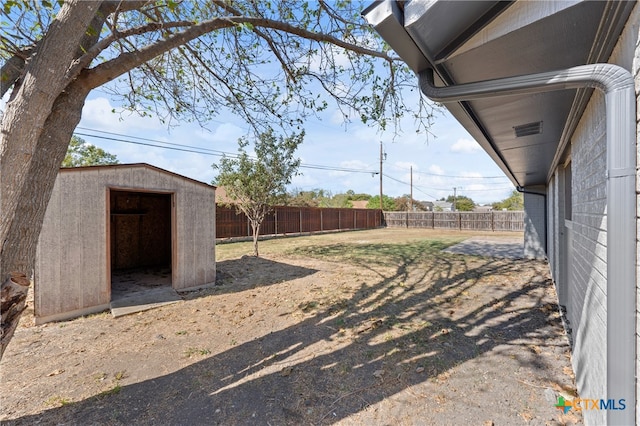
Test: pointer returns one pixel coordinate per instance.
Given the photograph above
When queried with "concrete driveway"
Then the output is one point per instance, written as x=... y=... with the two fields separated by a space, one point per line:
x=491 y=246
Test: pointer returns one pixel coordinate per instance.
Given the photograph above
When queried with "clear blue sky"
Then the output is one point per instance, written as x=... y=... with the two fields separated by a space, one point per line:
x=446 y=159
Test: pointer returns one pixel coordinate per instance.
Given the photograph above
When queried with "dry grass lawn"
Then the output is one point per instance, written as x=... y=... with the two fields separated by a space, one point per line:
x=367 y=327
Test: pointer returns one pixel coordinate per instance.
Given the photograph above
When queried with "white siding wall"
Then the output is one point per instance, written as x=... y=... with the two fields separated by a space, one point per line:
x=627 y=55
x=636 y=75
x=551 y=227
x=534 y=224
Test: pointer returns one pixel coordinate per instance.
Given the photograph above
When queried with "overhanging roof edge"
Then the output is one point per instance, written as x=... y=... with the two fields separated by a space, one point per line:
x=387 y=18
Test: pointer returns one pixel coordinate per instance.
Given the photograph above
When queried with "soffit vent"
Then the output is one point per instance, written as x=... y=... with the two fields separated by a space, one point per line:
x=528 y=129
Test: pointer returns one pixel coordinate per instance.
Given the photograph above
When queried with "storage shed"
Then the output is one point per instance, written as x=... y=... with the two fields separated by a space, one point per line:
x=102 y=220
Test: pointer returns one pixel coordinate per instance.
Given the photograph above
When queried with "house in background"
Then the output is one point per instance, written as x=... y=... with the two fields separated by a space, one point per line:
x=483 y=209
x=442 y=206
x=360 y=204
x=221 y=195
x=105 y=219
x=549 y=90
x=427 y=205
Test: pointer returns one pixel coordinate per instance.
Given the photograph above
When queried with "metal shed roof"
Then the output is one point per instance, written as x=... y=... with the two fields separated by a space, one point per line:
x=133 y=166
x=469 y=41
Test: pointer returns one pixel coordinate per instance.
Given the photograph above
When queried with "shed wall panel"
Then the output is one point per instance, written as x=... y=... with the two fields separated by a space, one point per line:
x=47 y=269
x=72 y=265
x=70 y=290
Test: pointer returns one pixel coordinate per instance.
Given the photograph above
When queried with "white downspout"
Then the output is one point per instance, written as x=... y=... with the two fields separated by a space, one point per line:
x=618 y=86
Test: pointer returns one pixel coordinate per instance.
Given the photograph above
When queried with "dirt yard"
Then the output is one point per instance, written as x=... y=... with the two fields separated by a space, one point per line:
x=371 y=327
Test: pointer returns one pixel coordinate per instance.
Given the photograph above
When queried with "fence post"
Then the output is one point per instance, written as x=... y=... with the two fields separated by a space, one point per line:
x=300 y=215
x=321 y=221
x=248 y=227
x=339 y=220
x=493 y=222
x=460 y=221
x=275 y=221
x=355 y=222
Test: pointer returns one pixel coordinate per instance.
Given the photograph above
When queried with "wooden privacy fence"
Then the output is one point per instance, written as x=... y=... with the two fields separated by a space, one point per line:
x=478 y=221
x=294 y=220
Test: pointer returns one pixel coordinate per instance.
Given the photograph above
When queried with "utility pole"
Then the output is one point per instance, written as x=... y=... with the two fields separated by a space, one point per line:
x=381 y=175
x=411 y=193
x=453 y=209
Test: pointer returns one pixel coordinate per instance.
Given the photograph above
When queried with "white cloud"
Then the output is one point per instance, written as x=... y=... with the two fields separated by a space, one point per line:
x=465 y=146
x=339 y=117
x=226 y=132
x=98 y=113
x=349 y=164
x=305 y=180
x=435 y=169
x=355 y=164
x=473 y=175
x=405 y=165
x=339 y=58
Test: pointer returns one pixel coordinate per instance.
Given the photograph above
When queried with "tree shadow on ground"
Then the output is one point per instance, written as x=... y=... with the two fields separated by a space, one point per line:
x=398 y=336
x=247 y=272
x=478 y=247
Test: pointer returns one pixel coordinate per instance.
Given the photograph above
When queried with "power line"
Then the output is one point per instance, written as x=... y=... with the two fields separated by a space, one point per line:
x=501 y=188
x=209 y=151
x=200 y=150
x=406 y=183
x=142 y=141
x=420 y=188
x=184 y=148
x=454 y=176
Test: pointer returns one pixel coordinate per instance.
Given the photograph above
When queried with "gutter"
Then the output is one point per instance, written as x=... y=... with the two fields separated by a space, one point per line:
x=618 y=87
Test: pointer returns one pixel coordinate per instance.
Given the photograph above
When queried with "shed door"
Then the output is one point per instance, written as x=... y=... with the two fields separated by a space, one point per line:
x=140 y=229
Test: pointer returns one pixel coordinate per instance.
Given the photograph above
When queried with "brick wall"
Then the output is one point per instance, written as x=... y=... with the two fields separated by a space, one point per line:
x=584 y=231
x=587 y=283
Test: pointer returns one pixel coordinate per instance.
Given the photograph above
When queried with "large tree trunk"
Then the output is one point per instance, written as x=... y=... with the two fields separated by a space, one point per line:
x=37 y=124
x=23 y=123
x=20 y=242
x=21 y=237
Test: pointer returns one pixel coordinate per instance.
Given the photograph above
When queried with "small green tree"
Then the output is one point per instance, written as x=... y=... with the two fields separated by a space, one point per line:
x=80 y=153
x=514 y=202
x=300 y=198
x=463 y=203
x=337 y=201
x=388 y=203
x=357 y=197
x=257 y=184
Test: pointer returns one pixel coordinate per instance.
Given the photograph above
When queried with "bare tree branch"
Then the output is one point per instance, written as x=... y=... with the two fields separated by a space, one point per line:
x=12 y=69
x=95 y=50
x=111 y=69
